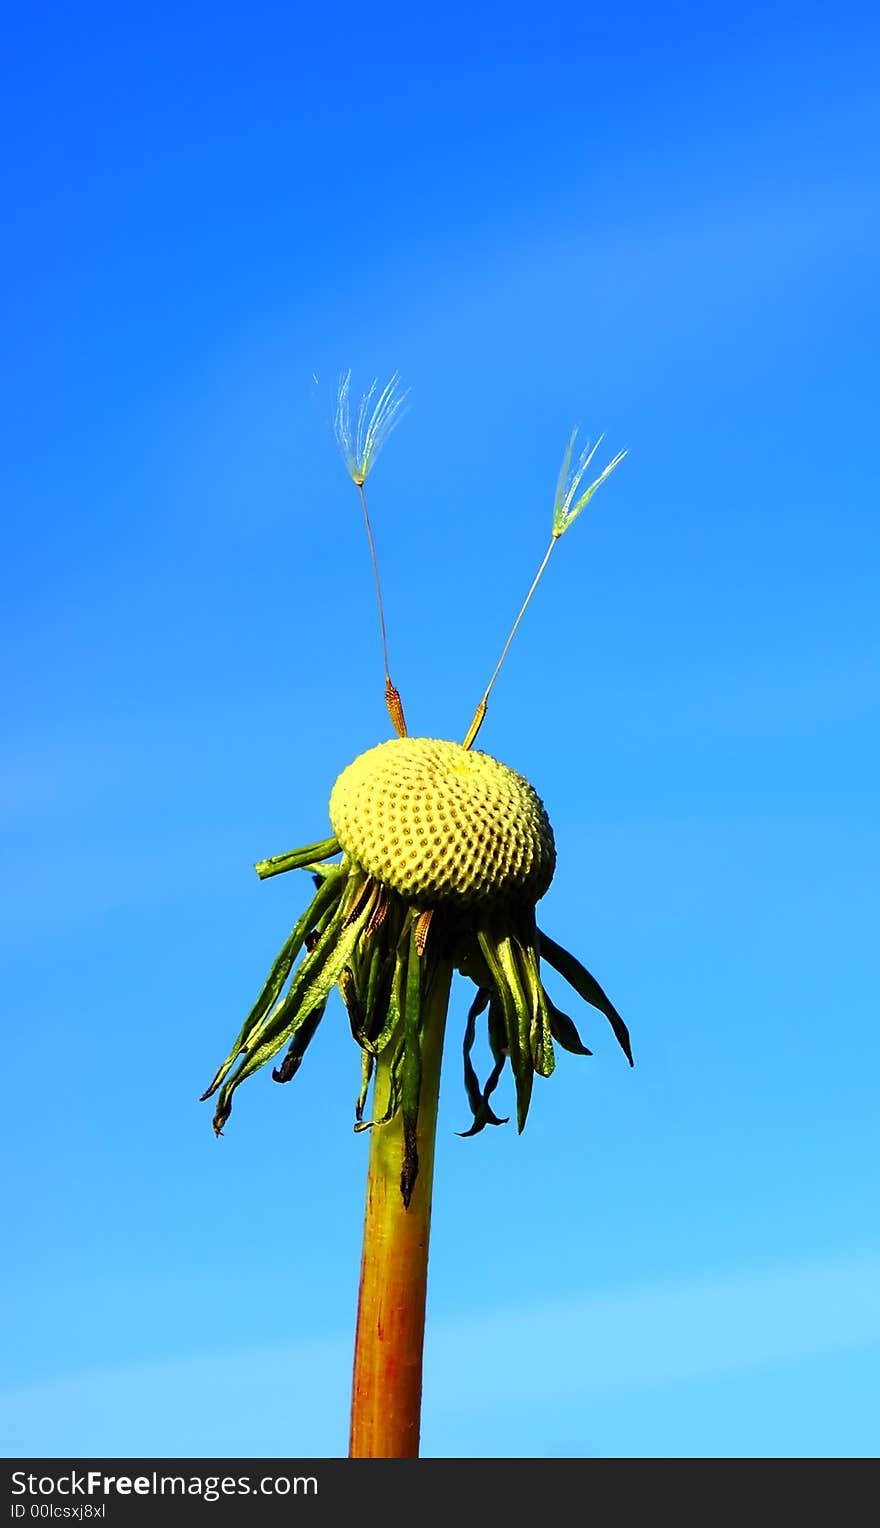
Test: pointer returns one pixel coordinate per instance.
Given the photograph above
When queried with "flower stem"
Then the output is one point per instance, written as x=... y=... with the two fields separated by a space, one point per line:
x=387 y=1385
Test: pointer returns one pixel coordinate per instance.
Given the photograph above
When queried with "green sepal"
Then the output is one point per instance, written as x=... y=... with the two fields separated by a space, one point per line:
x=358 y=993
x=587 y=987
x=392 y=1021
x=411 y=1082
x=478 y=1097
x=366 y=1077
x=297 y=859
x=377 y=967
x=396 y=995
x=499 y=957
x=348 y=991
x=498 y=1033
x=311 y=986
x=412 y=1026
x=541 y=1035
x=471 y=1082
x=383 y=998
x=320 y=873
x=396 y=1007
x=524 y=1070
x=394 y=1089
x=323 y=902
x=293 y=1056
x=564 y=1031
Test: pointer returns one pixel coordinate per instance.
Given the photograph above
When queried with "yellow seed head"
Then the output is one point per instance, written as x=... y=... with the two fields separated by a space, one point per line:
x=441 y=824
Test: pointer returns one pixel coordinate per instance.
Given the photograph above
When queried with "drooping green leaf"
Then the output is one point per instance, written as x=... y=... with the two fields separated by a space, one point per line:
x=384 y=1000
x=498 y=1048
x=298 y=1046
x=412 y=1029
x=366 y=1075
x=412 y=1065
x=395 y=1083
x=524 y=1072
x=392 y=1019
x=564 y=1031
x=486 y=1114
x=488 y=947
x=323 y=903
x=587 y=987
x=348 y=991
x=311 y=986
x=478 y=1097
x=368 y=969
x=394 y=1090
x=540 y=1035
x=498 y=952
x=471 y=1082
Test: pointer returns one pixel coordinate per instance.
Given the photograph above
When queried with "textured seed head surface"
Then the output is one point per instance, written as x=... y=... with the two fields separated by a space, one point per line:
x=440 y=823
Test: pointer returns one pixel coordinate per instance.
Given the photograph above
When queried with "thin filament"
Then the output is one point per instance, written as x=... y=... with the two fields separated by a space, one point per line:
x=376 y=578
x=481 y=708
x=392 y=695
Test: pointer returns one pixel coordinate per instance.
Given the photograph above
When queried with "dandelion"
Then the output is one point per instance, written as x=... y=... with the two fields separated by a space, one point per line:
x=438 y=858
x=359 y=451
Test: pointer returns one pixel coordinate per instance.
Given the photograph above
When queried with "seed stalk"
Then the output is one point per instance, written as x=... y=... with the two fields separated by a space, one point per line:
x=387 y=1383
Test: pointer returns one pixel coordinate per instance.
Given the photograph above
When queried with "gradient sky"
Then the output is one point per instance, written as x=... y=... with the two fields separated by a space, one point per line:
x=664 y=224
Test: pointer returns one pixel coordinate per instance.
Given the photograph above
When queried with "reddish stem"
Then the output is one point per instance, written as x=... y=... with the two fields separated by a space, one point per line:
x=387 y=1386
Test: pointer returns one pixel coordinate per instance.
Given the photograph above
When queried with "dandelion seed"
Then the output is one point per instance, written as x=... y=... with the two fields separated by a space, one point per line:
x=565 y=510
x=360 y=447
x=359 y=451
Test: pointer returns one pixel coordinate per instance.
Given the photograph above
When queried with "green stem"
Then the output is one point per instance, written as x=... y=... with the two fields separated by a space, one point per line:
x=297 y=859
x=387 y=1384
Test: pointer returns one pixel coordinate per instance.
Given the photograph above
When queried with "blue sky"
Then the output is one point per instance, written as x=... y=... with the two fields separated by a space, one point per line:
x=661 y=226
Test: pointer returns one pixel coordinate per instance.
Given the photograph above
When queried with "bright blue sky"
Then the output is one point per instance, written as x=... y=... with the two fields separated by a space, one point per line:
x=661 y=224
